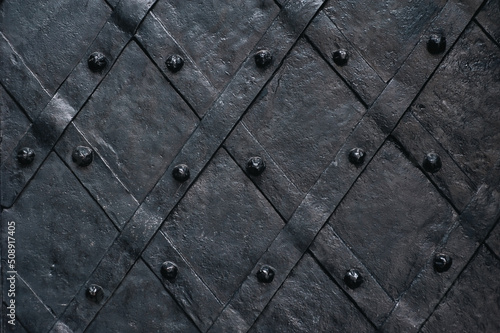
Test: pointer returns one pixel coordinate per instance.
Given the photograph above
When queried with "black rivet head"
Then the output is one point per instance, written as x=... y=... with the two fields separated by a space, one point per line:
x=340 y=57
x=436 y=44
x=181 y=172
x=82 y=156
x=256 y=165
x=442 y=262
x=95 y=293
x=357 y=156
x=263 y=58
x=353 y=279
x=265 y=274
x=25 y=156
x=169 y=270
x=432 y=162
x=174 y=63
x=97 y=62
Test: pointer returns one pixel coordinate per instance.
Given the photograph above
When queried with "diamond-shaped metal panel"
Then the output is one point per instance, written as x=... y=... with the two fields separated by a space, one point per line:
x=136 y=110
x=383 y=205
x=300 y=134
x=56 y=214
x=270 y=166
x=222 y=226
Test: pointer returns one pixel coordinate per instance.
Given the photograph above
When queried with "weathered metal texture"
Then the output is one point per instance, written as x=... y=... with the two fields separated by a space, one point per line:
x=269 y=166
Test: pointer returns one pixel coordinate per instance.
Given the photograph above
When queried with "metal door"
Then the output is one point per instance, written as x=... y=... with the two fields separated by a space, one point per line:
x=253 y=166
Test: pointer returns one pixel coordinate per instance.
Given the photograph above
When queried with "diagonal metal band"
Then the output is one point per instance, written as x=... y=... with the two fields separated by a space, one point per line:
x=216 y=125
x=295 y=238
x=73 y=93
x=26 y=88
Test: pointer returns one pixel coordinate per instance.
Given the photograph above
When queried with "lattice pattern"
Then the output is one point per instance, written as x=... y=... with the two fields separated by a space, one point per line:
x=115 y=237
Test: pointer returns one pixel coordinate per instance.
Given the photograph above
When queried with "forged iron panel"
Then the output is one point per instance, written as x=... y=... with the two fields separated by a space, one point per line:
x=222 y=244
x=269 y=166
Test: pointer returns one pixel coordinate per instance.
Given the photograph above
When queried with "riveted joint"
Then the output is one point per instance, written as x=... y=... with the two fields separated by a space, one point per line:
x=181 y=172
x=95 y=293
x=353 y=278
x=340 y=57
x=82 y=156
x=25 y=156
x=169 y=270
x=442 y=262
x=97 y=62
x=265 y=274
x=436 y=44
x=174 y=63
x=263 y=58
x=432 y=162
x=255 y=165
x=357 y=156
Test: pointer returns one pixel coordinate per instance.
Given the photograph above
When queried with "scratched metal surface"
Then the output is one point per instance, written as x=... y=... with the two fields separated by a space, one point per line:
x=265 y=166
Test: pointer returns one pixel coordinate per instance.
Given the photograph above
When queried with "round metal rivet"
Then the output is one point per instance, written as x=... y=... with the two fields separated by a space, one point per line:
x=353 y=279
x=181 y=172
x=95 y=293
x=97 y=62
x=169 y=270
x=263 y=58
x=265 y=274
x=25 y=156
x=436 y=44
x=340 y=57
x=432 y=162
x=442 y=262
x=174 y=63
x=82 y=156
x=357 y=156
x=256 y=165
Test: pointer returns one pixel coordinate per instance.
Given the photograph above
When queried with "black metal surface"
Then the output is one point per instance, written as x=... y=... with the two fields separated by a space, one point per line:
x=266 y=166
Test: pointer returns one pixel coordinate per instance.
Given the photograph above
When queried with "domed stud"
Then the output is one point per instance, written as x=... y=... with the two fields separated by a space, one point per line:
x=353 y=279
x=82 y=156
x=340 y=57
x=255 y=165
x=442 y=262
x=174 y=63
x=357 y=156
x=97 y=62
x=265 y=274
x=95 y=293
x=169 y=270
x=263 y=58
x=432 y=162
x=436 y=44
x=181 y=172
x=25 y=156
